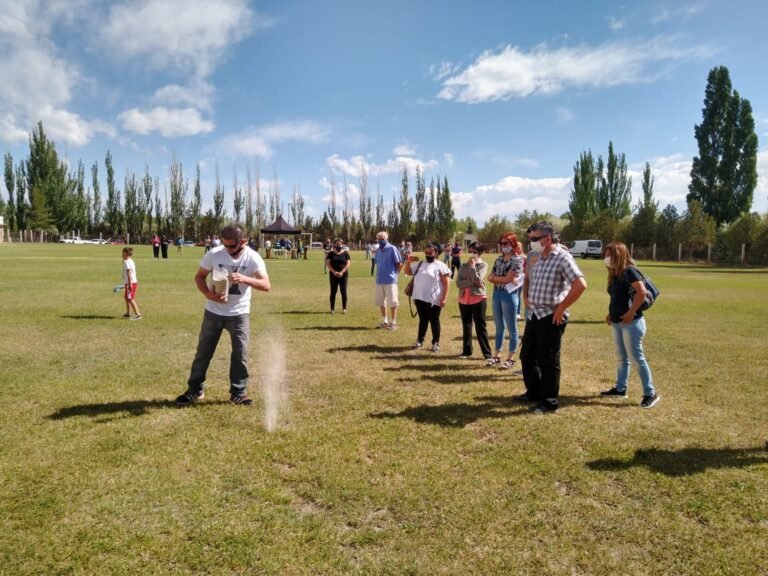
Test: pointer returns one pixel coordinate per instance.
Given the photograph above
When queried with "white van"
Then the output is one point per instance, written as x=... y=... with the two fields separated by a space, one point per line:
x=586 y=248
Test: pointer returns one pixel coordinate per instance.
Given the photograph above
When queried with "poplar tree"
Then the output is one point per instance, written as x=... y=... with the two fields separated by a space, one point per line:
x=724 y=174
x=583 y=201
x=10 y=186
x=404 y=209
x=421 y=228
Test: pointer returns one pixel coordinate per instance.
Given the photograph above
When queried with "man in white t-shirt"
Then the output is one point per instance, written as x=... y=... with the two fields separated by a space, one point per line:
x=228 y=310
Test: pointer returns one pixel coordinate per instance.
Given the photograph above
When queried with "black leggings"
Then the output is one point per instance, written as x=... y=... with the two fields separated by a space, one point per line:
x=428 y=314
x=337 y=283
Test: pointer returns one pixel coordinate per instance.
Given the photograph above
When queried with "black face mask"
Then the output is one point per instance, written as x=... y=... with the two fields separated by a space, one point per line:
x=338 y=248
x=430 y=258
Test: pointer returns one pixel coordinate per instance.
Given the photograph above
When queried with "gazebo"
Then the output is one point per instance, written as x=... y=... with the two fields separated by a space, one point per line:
x=281 y=227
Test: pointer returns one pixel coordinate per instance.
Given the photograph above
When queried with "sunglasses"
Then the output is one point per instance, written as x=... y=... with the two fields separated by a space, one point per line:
x=231 y=246
x=536 y=238
x=504 y=244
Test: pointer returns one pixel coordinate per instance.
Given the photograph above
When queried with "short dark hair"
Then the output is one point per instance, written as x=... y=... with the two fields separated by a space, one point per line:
x=477 y=247
x=545 y=228
x=232 y=232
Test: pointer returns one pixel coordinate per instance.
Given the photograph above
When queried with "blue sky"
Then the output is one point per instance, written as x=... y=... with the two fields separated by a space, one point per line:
x=500 y=97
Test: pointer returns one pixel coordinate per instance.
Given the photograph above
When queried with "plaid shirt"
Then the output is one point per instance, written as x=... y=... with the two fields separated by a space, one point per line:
x=549 y=281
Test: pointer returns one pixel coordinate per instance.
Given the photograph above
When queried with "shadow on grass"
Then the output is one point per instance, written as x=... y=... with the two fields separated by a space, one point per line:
x=128 y=408
x=684 y=462
x=371 y=348
x=87 y=317
x=298 y=312
x=449 y=379
x=587 y=321
x=457 y=415
x=334 y=328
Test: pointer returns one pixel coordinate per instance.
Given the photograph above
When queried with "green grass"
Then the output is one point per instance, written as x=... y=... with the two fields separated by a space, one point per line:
x=385 y=460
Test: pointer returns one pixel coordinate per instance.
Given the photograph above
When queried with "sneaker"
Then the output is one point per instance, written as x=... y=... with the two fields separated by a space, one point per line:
x=418 y=345
x=544 y=408
x=344 y=311
x=333 y=312
x=524 y=397
x=615 y=392
x=650 y=401
x=240 y=399
x=126 y=315
x=189 y=398
x=383 y=325
x=465 y=356
x=139 y=317
x=392 y=326
x=435 y=347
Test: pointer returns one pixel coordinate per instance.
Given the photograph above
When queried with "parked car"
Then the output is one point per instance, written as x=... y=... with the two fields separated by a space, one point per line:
x=71 y=240
x=316 y=246
x=95 y=241
x=586 y=248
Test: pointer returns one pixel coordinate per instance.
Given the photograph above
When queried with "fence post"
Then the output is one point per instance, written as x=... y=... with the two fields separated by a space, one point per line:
x=680 y=252
x=743 y=253
x=632 y=250
x=709 y=253
x=654 y=251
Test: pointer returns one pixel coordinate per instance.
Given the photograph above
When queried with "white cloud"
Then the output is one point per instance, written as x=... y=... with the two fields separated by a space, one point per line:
x=674 y=10
x=189 y=35
x=352 y=166
x=512 y=195
x=615 y=24
x=564 y=115
x=170 y=122
x=38 y=84
x=259 y=142
x=404 y=150
x=513 y=73
x=199 y=96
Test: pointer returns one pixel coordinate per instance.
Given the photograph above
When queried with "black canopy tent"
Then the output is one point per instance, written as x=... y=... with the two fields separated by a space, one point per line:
x=281 y=227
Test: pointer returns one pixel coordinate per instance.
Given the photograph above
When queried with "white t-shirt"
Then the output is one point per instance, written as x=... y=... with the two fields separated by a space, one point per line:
x=239 y=297
x=426 y=284
x=129 y=264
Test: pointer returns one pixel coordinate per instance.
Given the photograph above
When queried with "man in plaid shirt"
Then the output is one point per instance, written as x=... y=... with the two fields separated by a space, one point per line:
x=552 y=284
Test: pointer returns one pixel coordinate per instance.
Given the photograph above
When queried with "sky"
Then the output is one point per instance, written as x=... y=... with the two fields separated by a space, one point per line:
x=498 y=96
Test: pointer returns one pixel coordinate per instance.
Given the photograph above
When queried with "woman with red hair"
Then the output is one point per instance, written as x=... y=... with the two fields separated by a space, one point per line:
x=505 y=297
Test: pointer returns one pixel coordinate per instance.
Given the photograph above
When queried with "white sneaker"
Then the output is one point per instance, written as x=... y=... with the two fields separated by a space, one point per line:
x=435 y=348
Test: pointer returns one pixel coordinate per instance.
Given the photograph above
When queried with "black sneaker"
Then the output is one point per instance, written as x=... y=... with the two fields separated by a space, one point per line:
x=525 y=397
x=544 y=408
x=189 y=398
x=240 y=399
x=614 y=392
x=650 y=401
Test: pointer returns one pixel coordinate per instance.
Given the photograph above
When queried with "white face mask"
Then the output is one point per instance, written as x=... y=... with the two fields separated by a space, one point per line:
x=607 y=261
x=506 y=249
x=537 y=247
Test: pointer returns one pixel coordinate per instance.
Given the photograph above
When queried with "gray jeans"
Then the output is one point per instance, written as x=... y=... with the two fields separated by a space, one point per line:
x=210 y=332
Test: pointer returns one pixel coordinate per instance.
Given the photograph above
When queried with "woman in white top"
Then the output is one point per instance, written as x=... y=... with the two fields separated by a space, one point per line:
x=430 y=290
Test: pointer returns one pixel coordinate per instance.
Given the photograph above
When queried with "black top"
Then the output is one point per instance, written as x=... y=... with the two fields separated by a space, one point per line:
x=338 y=260
x=619 y=291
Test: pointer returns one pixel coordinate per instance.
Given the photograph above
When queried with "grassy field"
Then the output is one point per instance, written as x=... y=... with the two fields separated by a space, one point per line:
x=384 y=460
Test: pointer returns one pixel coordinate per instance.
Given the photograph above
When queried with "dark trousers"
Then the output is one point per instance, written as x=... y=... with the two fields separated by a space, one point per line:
x=156 y=251
x=540 y=357
x=474 y=313
x=336 y=284
x=164 y=250
x=373 y=265
x=210 y=332
x=428 y=314
x=455 y=264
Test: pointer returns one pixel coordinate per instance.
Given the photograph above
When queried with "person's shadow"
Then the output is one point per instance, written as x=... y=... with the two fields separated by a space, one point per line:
x=685 y=461
x=116 y=409
x=456 y=415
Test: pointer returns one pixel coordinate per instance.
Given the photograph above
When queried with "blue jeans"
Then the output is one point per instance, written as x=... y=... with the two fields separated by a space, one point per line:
x=210 y=332
x=628 y=339
x=504 y=312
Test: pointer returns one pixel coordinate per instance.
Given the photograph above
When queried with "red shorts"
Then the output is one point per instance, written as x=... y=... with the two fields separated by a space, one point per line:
x=130 y=291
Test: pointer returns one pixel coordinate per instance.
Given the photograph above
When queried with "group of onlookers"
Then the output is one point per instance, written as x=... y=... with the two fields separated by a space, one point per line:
x=547 y=281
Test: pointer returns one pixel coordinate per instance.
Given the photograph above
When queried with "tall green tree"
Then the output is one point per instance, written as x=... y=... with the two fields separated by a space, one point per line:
x=96 y=201
x=445 y=219
x=615 y=191
x=643 y=228
x=114 y=215
x=134 y=214
x=146 y=188
x=666 y=225
x=404 y=209
x=238 y=200
x=420 y=199
x=724 y=174
x=366 y=207
x=179 y=187
x=381 y=221
x=583 y=201
x=10 y=185
x=218 y=203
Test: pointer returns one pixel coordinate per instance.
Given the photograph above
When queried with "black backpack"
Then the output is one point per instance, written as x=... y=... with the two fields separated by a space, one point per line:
x=651 y=292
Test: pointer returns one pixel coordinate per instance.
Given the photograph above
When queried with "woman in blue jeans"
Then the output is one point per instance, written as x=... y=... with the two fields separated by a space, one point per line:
x=505 y=303
x=625 y=316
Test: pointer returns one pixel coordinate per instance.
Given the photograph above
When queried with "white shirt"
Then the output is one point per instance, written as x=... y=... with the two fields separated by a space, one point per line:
x=129 y=264
x=426 y=283
x=239 y=297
